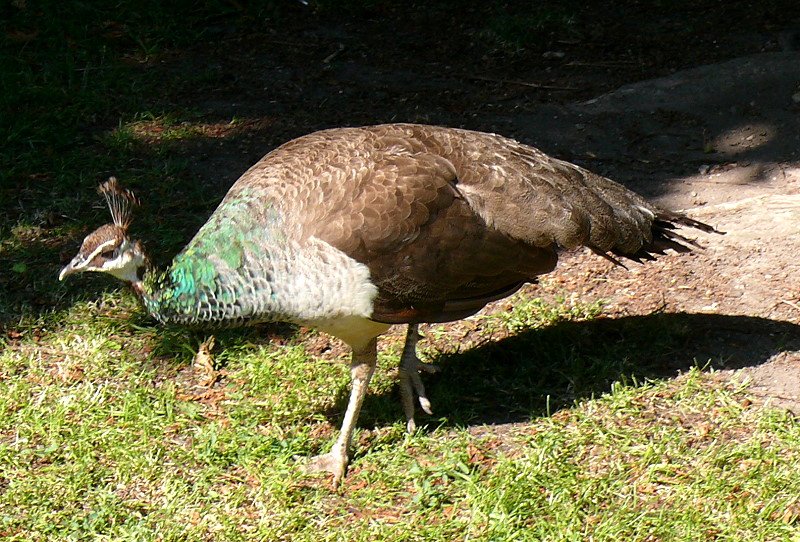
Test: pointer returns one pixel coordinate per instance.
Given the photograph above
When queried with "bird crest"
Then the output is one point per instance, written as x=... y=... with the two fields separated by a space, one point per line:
x=120 y=201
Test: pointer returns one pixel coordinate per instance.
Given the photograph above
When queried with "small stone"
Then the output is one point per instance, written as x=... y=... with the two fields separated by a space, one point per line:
x=580 y=126
x=694 y=194
x=750 y=137
x=796 y=97
x=704 y=169
x=553 y=55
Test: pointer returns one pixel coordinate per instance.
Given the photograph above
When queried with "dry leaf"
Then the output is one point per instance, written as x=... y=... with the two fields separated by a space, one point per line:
x=204 y=363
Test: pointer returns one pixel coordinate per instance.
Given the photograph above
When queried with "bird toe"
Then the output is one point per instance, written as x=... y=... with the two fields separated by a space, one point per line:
x=332 y=462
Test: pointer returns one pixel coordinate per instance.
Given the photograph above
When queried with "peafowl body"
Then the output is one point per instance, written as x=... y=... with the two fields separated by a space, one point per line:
x=351 y=230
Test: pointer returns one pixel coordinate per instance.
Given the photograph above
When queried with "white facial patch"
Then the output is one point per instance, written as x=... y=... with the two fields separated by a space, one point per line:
x=126 y=265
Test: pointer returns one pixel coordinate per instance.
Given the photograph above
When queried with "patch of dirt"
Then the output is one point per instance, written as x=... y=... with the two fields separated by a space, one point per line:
x=751 y=191
x=747 y=271
x=752 y=194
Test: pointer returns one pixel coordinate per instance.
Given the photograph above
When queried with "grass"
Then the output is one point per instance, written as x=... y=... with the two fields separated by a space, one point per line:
x=108 y=431
x=103 y=438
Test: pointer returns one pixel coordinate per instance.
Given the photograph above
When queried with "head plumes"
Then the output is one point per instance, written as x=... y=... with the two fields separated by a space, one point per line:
x=120 y=202
x=108 y=249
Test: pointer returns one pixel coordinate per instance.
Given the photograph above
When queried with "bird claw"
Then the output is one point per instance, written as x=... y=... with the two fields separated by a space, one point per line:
x=411 y=385
x=332 y=462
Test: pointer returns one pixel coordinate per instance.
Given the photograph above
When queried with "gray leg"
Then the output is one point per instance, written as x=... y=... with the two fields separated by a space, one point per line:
x=361 y=369
x=410 y=381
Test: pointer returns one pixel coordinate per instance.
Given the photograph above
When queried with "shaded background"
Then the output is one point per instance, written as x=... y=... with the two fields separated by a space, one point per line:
x=177 y=99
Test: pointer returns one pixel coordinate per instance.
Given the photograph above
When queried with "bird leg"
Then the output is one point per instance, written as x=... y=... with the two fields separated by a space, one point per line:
x=361 y=369
x=410 y=381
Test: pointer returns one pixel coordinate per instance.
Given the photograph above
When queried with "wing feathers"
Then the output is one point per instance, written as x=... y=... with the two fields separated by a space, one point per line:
x=446 y=216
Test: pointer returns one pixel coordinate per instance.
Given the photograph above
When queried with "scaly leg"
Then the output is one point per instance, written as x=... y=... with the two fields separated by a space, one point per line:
x=410 y=381
x=361 y=369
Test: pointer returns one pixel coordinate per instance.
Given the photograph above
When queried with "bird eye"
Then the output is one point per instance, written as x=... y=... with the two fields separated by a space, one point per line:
x=108 y=254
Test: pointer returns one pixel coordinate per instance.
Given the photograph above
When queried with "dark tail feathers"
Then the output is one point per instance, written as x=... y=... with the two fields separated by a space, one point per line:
x=664 y=237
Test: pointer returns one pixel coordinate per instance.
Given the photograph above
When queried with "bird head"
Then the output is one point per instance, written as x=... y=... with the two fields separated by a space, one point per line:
x=108 y=249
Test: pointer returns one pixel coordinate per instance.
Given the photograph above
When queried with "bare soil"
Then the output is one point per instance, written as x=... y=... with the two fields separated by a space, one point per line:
x=746 y=183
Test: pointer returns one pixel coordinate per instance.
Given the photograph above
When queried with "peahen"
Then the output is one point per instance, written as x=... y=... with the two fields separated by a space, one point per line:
x=351 y=230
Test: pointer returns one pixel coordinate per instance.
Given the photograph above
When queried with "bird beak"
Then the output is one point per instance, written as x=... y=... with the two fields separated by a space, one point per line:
x=71 y=267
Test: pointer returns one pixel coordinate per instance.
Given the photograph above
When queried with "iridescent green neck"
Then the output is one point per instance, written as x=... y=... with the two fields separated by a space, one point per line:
x=247 y=265
x=193 y=291
x=215 y=279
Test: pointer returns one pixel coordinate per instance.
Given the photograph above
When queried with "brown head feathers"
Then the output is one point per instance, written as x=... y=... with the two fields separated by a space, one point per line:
x=120 y=200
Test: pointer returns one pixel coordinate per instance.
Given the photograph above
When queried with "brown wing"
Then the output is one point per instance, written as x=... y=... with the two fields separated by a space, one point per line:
x=391 y=199
x=530 y=196
x=447 y=219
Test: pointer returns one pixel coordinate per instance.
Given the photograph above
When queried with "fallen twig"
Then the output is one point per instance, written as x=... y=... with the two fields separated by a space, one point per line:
x=617 y=64
x=330 y=57
x=521 y=83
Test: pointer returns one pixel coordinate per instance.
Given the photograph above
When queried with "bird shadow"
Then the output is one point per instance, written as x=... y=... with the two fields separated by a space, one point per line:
x=540 y=371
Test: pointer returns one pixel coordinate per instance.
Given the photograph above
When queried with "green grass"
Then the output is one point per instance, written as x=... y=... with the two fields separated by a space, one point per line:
x=105 y=434
x=108 y=433
x=540 y=27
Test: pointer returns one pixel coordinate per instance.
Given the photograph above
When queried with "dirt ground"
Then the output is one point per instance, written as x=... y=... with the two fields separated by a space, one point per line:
x=708 y=123
x=746 y=184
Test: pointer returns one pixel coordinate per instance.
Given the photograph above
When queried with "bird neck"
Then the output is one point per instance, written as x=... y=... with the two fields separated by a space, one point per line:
x=178 y=294
x=142 y=278
x=138 y=284
x=210 y=287
x=247 y=265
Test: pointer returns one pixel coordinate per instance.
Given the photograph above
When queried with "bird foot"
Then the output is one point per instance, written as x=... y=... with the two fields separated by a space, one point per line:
x=411 y=385
x=332 y=462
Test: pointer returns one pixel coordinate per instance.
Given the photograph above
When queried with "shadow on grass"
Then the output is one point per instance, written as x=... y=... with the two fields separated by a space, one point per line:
x=540 y=371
